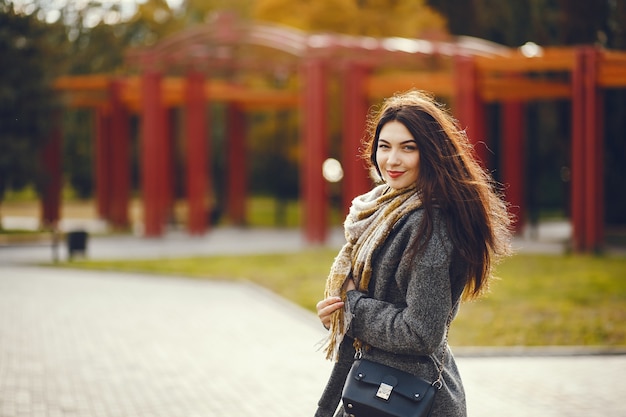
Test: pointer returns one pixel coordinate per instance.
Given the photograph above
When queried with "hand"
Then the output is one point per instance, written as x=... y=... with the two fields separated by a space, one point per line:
x=327 y=307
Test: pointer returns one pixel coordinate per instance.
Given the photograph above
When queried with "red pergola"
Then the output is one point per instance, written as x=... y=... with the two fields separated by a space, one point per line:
x=196 y=67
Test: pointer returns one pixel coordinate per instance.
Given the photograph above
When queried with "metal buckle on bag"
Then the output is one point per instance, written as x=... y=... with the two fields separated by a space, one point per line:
x=384 y=391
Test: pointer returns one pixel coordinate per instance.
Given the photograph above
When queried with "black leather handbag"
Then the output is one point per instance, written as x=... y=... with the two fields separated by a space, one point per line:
x=376 y=390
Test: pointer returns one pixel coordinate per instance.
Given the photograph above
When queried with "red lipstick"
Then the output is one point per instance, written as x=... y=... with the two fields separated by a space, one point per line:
x=395 y=174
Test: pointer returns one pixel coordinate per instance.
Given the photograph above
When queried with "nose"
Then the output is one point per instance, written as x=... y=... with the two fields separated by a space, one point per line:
x=393 y=158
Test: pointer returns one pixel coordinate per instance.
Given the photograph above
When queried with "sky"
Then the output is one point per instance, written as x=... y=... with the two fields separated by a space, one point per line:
x=50 y=9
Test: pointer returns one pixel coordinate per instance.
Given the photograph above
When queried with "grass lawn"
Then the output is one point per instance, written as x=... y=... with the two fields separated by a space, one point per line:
x=538 y=300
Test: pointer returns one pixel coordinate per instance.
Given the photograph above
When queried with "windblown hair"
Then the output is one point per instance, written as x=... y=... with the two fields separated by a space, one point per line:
x=451 y=180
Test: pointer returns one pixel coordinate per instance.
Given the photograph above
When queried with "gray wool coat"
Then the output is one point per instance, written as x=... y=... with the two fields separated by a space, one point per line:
x=403 y=317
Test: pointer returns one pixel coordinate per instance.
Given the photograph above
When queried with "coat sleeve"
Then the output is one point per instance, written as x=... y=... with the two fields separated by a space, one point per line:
x=407 y=315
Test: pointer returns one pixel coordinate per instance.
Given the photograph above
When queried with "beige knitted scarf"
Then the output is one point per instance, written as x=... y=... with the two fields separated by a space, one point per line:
x=369 y=222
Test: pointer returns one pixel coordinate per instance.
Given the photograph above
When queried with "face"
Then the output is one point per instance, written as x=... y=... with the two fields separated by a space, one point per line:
x=397 y=155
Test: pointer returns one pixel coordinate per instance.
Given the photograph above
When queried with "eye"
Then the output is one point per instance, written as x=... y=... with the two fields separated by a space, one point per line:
x=382 y=145
x=410 y=148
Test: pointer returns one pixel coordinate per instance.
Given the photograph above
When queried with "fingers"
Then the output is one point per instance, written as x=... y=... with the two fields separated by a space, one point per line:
x=327 y=302
x=326 y=307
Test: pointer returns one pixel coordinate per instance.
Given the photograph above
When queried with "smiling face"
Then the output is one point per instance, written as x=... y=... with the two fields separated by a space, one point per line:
x=397 y=156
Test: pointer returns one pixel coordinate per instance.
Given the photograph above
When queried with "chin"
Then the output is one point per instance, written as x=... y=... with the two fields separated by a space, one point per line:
x=396 y=186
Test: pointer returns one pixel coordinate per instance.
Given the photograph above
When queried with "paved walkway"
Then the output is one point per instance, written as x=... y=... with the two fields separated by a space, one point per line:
x=97 y=344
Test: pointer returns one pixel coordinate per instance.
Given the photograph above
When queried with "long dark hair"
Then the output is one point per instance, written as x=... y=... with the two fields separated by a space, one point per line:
x=452 y=181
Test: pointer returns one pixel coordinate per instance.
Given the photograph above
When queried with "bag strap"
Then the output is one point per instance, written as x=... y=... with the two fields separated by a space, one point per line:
x=438 y=383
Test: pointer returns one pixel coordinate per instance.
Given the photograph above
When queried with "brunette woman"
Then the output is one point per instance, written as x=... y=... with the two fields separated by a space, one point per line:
x=419 y=242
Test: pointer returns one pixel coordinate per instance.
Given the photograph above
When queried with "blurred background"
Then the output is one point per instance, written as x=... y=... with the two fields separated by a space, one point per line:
x=43 y=40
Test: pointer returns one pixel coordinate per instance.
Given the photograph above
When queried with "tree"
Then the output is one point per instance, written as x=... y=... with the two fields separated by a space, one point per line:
x=30 y=50
x=545 y=22
x=198 y=11
x=405 y=18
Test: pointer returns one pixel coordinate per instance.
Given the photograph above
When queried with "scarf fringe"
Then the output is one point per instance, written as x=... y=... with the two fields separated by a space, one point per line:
x=339 y=324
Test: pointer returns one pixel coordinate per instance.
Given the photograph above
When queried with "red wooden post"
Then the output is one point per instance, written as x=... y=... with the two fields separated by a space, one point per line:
x=52 y=182
x=152 y=138
x=593 y=149
x=196 y=153
x=578 y=150
x=355 y=107
x=599 y=122
x=315 y=132
x=513 y=159
x=587 y=148
x=166 y=193
x=119 y=157
x=236 y=157
x=469 y=107
x=103 y=161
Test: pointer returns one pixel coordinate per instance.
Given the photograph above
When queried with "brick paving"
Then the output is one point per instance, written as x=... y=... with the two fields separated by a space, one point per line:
x=76 y=343
x=98 y=344
x=546 y=386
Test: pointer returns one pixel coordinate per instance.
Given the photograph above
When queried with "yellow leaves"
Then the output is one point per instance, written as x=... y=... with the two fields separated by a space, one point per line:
x=405 y=18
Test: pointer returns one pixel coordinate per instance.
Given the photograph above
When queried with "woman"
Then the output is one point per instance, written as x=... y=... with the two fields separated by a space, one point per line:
x=417 y=244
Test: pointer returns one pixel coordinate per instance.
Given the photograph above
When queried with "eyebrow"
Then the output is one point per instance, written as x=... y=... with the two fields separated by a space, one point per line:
x=401 y=143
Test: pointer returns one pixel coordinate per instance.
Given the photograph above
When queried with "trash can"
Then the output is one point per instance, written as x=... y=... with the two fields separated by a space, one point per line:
x=77 y=243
